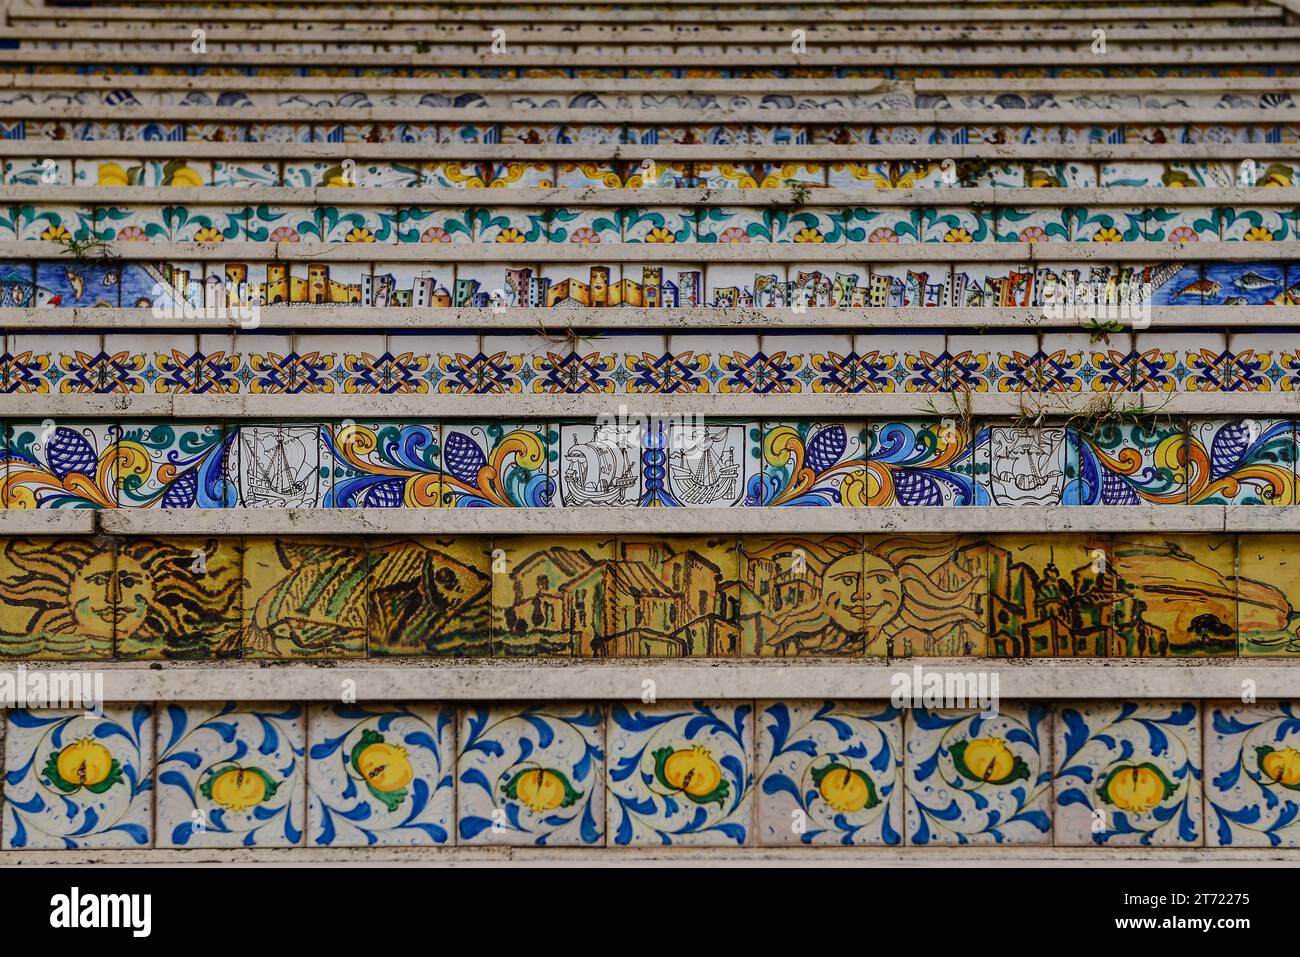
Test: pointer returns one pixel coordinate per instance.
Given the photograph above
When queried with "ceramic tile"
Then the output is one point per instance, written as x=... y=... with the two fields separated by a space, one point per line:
x=1031 y=465
x=731 y=286
x=231 y=775
x=1052 y=598
x=304 y=598
x=1268 y=575
x=919 y=462
x=1128 y=774
x=916 y=284
x=822 y=285
x=555 y=597
x=531 y=775
x=675 y=598
x=80 y=284
x=1129 y=464
x=61 y=464
x=681 y=774
x=499 y=464
x=435 y=224
x=814 y=463
x=384 y=465
x=829 y=773
x=380 y=775
x=280 y=466
x=76 y=782
x=925 y=595
x=1177 y=595
x=802 y=595
x=1242 y=461
x=429 y=596
x=177 y=598
x=977 y=779
x=1250 y=771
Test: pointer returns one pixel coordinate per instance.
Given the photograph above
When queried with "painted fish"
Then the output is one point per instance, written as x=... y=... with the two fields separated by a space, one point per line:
x=1202 y=287
x=18 y=292
x=1253 y=280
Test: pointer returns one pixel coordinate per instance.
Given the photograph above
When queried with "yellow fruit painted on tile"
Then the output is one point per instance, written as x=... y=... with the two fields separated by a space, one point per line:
x=1280 y=767
x=845 y=789
x=1135 y=787
x=111 y=174
x=85 y=762
x=238 y=788
x=988 y=760
x=692 y=772
x=541 y=789
x=178 y=175
x=386 y=767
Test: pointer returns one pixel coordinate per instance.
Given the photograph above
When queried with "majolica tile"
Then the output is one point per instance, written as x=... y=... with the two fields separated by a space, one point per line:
x=1258 y=283
x=498 y=464
x=41 y=171
x=956 y=225
x=1177 y=595
x=60 y=598
x=1252 y=771
x=829 y=773
x=78 y=284
x=531 y=775
x=482 y=175
x=1129 y=464
x=553 y=598
x=57 y=223
x=280 y=466
x=814 y=463
x=231 y=775
x=79 y=782
x=304 y=598
x=674 y=598
x=976 y=778
x=821 y=285
x=1051 y=598
x=1029 y=465
x=1106 y=225
x=1133 y=174
x=424 y=224
x=209 y=224
x=996 y=285
x=248 y=173
x=177 y=598
x=380 y=775
x=802 y=595
x=1268 y=576
x=920 y=462
x=430 y=596
x=1032 y=225
x=63 y=464
x=1180 y=224
x=884 y=175
x=599 y=465
x=1242 y=461
x=511 y=225
x=1255 y=225
x=681 y=773
x=581 y=225
x=925 y=597
x=384 y=465
x=1128 y=773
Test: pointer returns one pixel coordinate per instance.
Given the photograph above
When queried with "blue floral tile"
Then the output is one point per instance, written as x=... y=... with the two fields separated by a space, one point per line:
x=829 y=773
x=77 y=782
x=681 y=774
x=231 y=775
x=1128 y=773
x=1252 y=774
x=978 y=779
x=380 y=775
x=531 y=775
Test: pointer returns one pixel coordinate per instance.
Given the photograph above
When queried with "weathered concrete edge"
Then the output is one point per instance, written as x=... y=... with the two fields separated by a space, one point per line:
x=1022 y=198
x=754 y=320
x=715 y=406
x=946 y=857
x=939 y=520
x=623 y=680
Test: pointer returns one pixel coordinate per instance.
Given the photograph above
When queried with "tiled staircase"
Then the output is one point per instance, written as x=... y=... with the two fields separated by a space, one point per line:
x=565 y=426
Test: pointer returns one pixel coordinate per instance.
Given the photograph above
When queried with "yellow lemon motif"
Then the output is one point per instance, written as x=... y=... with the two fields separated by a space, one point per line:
x=111 y=174
x=541 y=790
x=1281 y=767
x=185 y=176
x=844 y=789
x=386 y=767
x=85 y=763
x=693 y=772
x=1137 y=787
x=239 y=788
x=990 y=759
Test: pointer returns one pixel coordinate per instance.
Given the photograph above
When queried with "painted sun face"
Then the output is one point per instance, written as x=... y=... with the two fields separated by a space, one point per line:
x=103 y=596
x=861 y=590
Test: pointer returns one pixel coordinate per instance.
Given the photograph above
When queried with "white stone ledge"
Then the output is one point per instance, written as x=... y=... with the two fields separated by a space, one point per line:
x=1021 y=198
x=1188 y=54
x=747 y=253
x=659 y=35
x=974 y=519
x=73 y=521
x=1050 y=406
x=617 y=115
x=614 y=85
x=549 y=679
x=562 y=857
x=1011 y=152
x=336 y=318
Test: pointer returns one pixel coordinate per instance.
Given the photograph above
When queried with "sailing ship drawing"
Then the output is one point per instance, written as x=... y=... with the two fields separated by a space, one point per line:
x=278 y=467
x=605 y=469
x=703 y=469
